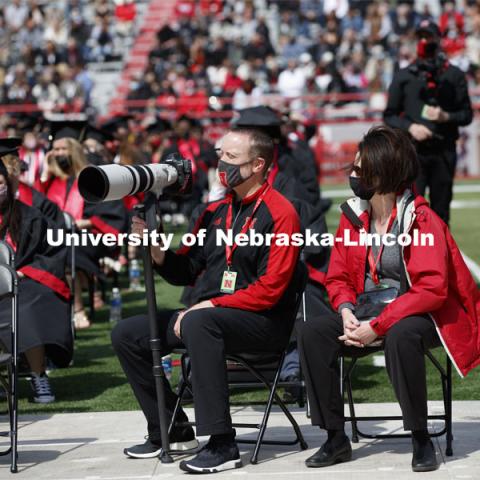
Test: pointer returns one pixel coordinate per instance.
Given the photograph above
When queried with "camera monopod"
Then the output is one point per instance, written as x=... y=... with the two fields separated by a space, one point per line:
x=148 y=212
x=113 y=182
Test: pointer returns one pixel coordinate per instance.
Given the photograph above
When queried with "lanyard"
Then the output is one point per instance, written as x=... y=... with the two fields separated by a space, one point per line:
x=371 y=261
x=228 y=224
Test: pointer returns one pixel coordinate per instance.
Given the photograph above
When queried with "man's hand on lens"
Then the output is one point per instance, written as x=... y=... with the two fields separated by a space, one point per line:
x=138 y=227
x=436 y=114
x=83 y=224
x=420 y=132
x=204 y=304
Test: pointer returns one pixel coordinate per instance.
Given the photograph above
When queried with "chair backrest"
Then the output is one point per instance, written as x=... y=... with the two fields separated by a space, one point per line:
x=7 y=255
x=299 y=283
x=301 y=279
x=8 y=280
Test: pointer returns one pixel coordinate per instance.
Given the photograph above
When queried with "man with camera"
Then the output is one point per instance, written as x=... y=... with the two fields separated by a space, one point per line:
x=429 y=99
x=246 y=299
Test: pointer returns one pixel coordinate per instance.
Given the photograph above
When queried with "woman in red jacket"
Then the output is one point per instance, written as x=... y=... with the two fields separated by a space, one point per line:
x=437 y=303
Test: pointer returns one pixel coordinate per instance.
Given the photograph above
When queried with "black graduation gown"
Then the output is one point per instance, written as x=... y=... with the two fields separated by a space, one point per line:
x=44 y=308
x=33 y=198
x=106 y=217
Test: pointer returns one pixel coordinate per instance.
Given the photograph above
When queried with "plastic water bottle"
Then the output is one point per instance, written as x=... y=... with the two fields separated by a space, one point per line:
x=167 y=366
x=115 y=307
x=135 y=275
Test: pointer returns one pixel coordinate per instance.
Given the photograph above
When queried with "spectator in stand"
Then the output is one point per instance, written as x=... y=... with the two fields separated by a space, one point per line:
x=125 y=13
x=101 y=40
x=15 y=15
x=248 y=95
x=56 y=31
x=291 y=82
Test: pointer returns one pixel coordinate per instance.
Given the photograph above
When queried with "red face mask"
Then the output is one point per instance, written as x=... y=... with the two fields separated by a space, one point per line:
x=426 y=48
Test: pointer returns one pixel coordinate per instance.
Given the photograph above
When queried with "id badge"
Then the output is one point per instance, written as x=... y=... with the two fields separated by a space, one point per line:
x=424 y=113
x=228 y=281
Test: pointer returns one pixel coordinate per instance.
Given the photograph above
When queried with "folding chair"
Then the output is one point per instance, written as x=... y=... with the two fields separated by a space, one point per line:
x=70 y=227
x=254 y=362
x=9 y=289
x=446 y=379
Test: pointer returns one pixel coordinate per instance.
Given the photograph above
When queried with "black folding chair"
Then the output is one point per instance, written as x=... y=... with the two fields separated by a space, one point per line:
x=254 y=362
x=9 y=359
x=446 y=379
x=70 y=228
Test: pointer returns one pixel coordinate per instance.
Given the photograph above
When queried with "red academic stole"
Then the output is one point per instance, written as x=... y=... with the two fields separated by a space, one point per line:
x=71 y=202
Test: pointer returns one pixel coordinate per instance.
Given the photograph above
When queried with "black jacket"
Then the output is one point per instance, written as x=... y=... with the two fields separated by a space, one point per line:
x=409 y=93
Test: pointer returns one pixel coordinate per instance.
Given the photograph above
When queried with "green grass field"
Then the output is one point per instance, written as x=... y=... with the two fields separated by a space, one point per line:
x=96 y=382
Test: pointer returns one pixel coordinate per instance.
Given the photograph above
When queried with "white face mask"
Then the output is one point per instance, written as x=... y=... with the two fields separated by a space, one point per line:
x=3 y=193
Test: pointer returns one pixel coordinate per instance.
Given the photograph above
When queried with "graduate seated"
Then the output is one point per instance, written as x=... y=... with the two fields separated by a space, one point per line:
x=59 y=184
x=44 y=313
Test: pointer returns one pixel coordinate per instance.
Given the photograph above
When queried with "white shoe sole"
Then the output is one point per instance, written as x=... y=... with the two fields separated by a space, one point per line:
x=186 y=467
x=174 y=447
x=43 y=399
x=184 y=446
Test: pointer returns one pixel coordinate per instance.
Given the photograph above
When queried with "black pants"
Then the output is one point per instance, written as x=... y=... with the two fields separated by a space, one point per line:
x=437 y=171
x=207 y=335
x=405 y=346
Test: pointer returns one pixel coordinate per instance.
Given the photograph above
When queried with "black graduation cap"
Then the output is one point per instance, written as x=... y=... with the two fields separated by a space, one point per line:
x=159 y=126
x=261 y=117
x=68 y=129
x=101 y=135
x=116 y=122
x=25 y=122
x=9 y=145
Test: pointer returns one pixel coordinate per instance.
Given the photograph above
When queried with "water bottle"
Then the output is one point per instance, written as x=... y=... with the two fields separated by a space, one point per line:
x=167 y=366
x=135 y=275
x=115 y=307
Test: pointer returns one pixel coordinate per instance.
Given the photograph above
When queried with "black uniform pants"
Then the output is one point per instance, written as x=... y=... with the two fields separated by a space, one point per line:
x=437 y=171
x=405 y=345
x=207 y=335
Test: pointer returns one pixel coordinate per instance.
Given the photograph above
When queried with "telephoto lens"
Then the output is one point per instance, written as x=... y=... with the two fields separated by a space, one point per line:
x=112 y=182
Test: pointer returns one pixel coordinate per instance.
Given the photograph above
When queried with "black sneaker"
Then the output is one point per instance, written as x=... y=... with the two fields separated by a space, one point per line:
x=181 y=440
x=214 y=457
x=42 y=391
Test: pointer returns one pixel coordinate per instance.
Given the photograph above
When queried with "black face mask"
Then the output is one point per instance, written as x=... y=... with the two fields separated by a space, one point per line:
x=64 y=162
x=230 y=175
x=359 y=190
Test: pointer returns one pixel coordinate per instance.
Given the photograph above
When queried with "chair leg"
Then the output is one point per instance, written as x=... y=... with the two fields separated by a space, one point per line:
x=293 y=422
x=263 y=424
x=177 y=406
x=351 y=406
x=274 y=396
x=91 y=297
x=448 y=410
